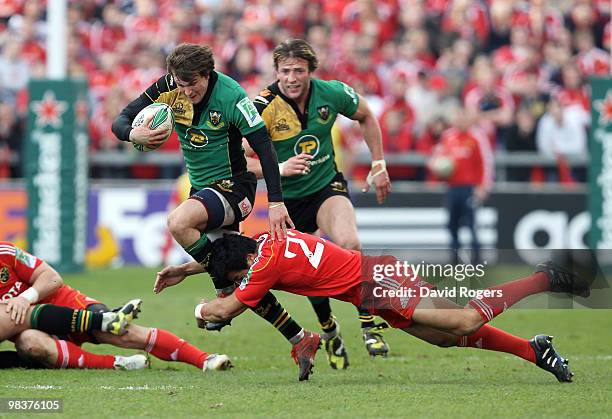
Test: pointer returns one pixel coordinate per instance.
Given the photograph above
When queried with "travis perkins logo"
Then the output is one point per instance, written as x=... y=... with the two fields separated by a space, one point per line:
x=197 y=138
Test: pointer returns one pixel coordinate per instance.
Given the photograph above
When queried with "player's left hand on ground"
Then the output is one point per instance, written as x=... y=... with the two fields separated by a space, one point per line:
x=18 y=307
x=378 y=177
x=279 y=220
x=167 y=277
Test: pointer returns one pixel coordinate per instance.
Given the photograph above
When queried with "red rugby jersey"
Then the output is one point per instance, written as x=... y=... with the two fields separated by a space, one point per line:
x=16 y=269
x=301 y=264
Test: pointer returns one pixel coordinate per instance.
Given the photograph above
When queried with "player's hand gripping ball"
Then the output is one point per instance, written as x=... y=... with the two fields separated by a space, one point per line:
x=162 y=117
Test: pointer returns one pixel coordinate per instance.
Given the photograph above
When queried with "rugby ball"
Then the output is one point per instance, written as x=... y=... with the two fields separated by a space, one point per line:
x=442 y=166
x=162 y=116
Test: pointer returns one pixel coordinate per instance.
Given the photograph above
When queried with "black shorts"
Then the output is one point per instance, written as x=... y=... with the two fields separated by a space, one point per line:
x=239 y=191
x=304 y=211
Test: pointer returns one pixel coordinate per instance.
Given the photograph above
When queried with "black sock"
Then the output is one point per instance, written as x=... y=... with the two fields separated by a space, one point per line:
x=271 y=310
x=57 y=320
x=366 y=319
x=322 y=309
x=200 y=250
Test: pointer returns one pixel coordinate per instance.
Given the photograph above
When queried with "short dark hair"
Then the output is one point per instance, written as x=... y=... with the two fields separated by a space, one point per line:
x=187 y=61
x=296 y=48
x=229 y=254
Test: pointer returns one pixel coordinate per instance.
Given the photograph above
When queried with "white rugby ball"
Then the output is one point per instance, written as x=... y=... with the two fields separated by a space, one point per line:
x=442 y=166
x=162 y=116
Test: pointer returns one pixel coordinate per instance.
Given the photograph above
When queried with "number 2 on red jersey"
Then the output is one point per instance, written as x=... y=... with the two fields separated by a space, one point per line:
x=295 y=244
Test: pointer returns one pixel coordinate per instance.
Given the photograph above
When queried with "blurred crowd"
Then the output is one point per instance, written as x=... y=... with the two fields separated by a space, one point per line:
x=521 y=66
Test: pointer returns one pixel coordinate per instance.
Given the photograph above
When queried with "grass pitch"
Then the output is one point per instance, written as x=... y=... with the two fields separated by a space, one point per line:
x=416 y=380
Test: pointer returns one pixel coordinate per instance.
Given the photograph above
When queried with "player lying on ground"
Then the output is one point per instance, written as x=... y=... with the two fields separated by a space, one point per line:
x=50 y=319
x=26 y=280
x=308 y=265
x=58 y=320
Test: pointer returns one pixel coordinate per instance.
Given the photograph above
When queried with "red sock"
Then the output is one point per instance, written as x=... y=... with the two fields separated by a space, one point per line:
x=70 y=355
x=493 y=339
x=164 y=345
x=508 y=294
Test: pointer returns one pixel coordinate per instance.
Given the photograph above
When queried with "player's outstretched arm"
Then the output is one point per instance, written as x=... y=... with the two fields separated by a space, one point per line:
x=175 y=274
x=378 y=176
x=220 y=309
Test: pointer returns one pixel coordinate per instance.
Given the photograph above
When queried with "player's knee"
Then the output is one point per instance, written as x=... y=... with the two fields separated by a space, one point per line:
x=33 y=344
x=176 y=222
x=349 y=242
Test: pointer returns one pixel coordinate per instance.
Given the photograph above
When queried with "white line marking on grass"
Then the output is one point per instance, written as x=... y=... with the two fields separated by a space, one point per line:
x=147 y=388
x=34 y=387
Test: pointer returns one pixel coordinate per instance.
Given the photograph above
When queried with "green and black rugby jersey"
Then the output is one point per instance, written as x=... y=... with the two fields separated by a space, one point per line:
x=211 y=131
x=293 y=133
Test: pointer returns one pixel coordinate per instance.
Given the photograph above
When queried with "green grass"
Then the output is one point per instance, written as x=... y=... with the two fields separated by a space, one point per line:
x=416 y=380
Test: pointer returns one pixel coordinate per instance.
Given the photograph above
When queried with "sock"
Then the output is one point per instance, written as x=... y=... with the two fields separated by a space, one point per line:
x=297 y=338
x=506 y=295
x=57 y=320
x=322 y=309
x=200 y=250
x=169 y=347
x=271 y=310
x=366 y=319
x=493 y=339
x=70 y=355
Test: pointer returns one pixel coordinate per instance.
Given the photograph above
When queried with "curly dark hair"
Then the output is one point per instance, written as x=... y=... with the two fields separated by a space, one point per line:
x=187 y=61
x=295 y=48
x=229 y=254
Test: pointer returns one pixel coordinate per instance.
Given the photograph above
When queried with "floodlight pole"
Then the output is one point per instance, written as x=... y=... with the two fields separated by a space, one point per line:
x=57 y=39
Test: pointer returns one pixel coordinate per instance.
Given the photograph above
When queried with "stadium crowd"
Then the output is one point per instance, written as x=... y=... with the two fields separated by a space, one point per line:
x=521 y=66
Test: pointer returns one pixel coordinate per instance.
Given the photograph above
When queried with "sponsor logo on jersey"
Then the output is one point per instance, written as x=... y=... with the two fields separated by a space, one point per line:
x=323 y=112
x=13 y=292
x=215 y=120
x=25 y=258
x=179 y=108
x=248 y=110
x=196 y=138
x=282 y=125
x=349 y=91
x=308 y=144
x=245 y=207
x=4 y=275
x=226 y=185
